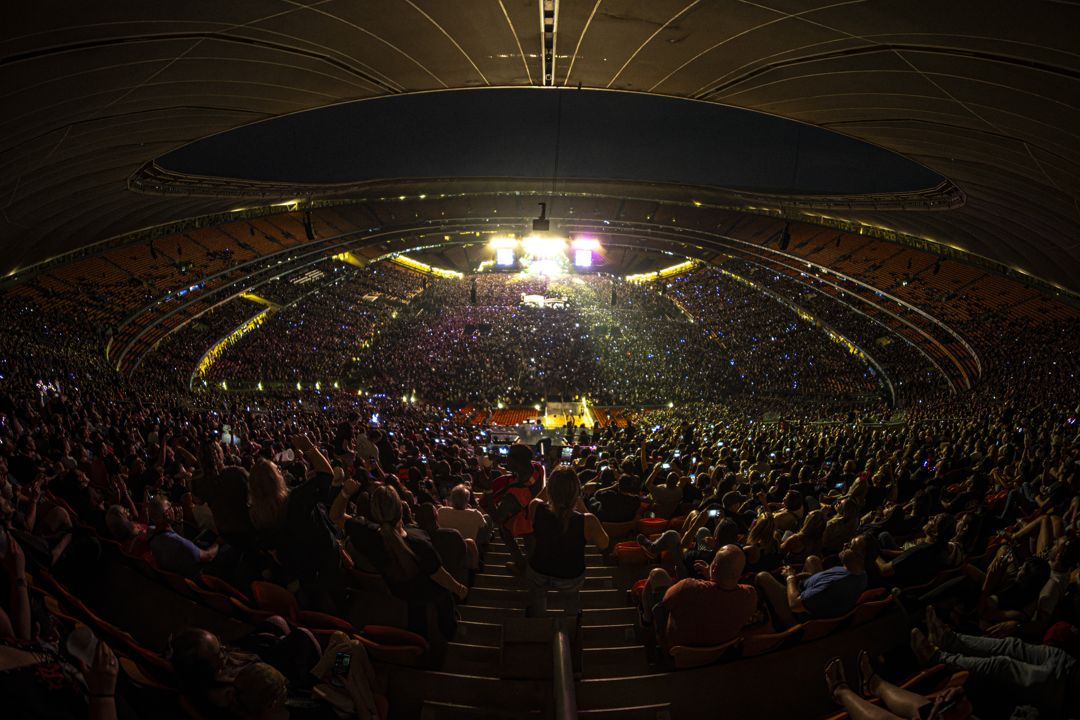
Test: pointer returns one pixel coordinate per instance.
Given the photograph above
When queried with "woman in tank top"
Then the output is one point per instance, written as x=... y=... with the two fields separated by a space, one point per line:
x=561 y=527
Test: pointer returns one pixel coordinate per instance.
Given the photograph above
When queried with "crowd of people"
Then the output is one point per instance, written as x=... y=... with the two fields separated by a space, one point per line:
x=911 y=373
x=697 y=337
x=778 y=519
x=618 y=343
x=317 y=336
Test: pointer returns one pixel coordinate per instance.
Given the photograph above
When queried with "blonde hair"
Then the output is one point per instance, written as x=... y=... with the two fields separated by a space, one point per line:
x=386 y=513
x=268 y=493
x=563 y=491
x=763 y=530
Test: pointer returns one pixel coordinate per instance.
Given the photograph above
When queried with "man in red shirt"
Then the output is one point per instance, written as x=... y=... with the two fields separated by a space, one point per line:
x=708 y=612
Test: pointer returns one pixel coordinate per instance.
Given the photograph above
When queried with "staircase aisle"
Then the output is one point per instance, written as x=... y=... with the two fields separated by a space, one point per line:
x=477 y=680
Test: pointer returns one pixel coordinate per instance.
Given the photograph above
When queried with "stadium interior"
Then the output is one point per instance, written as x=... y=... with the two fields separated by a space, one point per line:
x=540 y=359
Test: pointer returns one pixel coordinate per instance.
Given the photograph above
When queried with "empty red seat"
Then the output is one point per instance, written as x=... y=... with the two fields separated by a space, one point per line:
x=630 y=553
x=279 y=601
x=651 y=526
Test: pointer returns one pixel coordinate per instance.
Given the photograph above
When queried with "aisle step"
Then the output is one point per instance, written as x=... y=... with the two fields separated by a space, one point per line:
x=481 y=633
x=595 y=570
x=590 y=617
x=660 y=711
x=472 y=659
x=496 y=581
x=412 y=688
x=602 y=636
x=610 y=662
x=504 y=597
x=488 y=614
x=434 y=710
x=493 y=557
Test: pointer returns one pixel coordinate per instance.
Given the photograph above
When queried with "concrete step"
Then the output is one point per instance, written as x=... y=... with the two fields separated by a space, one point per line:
x=590 y=616
x=497 y=581
x=660 y=711
x=594 y=570
x=471 y=659
x=602 y=636
x=482 y=633
x=610 y=662
x=506 y=597
x=496 y=557
x=433 y=710
x=411 y=688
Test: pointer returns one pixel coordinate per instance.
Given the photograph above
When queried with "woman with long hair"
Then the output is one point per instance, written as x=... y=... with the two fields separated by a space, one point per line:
x=407 y=560
x=561 y=528
x=269 y=495
x=807 y=540
x=762 y=548
x=224 y=488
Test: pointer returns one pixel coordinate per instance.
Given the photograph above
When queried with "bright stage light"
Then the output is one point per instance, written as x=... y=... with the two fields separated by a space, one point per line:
x=586 y=243
x=544 y=246
x=583 y=258
x=548 y=267
x=504 y=256
x=500 y=241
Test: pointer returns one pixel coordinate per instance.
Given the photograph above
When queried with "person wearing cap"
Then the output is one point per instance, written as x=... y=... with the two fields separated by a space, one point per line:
x=510 y=496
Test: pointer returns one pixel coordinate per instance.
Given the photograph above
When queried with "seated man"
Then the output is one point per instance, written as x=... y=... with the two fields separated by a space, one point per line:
x=206 y=668
x=920 y=563
x=470 y=522
x=666 y=496
x=823 y=593
x=619 y=504
x=790 y=518
x=174 y=552
x=454 y=550
x=841 y=527
x=707 y=612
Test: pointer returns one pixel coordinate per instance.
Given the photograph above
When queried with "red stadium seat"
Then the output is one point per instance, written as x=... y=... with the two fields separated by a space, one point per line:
x=652 y=526
x=761 y=643
x=279 y=601
x=630 y=553
x=687 y=656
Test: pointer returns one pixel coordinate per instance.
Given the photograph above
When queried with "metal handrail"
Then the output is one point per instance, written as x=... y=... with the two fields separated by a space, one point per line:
x=562 y=674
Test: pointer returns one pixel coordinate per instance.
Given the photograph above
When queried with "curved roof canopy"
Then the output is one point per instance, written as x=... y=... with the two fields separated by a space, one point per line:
x=987 y=100
x=561 y=134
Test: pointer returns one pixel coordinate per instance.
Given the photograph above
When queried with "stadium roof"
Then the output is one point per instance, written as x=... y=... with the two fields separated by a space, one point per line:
x=988 y=100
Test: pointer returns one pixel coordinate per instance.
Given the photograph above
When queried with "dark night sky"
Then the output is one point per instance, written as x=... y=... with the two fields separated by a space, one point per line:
x=511 y=132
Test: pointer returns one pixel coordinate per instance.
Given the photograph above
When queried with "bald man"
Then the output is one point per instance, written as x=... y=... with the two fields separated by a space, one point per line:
x=709 y=612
